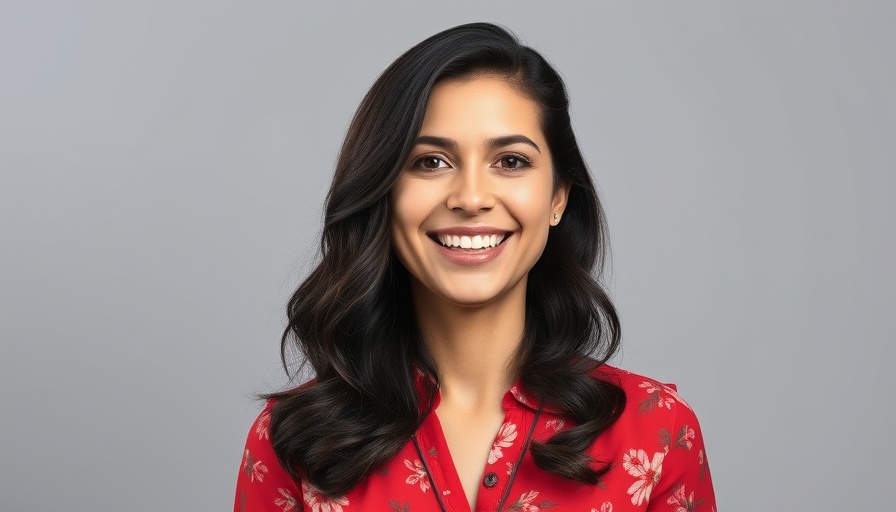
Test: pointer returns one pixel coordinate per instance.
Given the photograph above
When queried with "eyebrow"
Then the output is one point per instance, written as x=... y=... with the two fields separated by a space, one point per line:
x=494 y=142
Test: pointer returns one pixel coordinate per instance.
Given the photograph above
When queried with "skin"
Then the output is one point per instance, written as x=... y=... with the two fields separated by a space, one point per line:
x=472 y=315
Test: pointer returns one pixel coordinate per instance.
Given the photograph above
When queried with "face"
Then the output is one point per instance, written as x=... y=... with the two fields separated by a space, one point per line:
x=473 y=205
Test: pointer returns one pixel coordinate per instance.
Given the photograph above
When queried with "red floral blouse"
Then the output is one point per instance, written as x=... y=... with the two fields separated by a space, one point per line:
x=659 y=464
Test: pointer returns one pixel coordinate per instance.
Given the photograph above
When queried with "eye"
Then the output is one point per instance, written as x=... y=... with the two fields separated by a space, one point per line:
x=429 y=162
x=514 y=162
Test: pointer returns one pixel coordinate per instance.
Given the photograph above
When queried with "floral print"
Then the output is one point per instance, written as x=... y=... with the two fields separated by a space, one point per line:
x=319 y=502
x=505 y=439
x=526 y=503
x=646 y=471
x=555 y=425
x=655 y=397
x=418 y=476
x=287 y=501
x=685 y=437
x=682 y=502
x=262 y=426
x=253 y=468
x=655 y=448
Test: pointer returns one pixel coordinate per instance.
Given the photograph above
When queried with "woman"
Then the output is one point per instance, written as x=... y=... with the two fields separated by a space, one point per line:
x=455 y=329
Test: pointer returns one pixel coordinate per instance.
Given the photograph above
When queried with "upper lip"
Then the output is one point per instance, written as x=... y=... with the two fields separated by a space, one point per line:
x=469 y=231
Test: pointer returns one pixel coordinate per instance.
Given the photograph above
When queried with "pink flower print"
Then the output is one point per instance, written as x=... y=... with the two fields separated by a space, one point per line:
x=505 y=439
x=645 y=470
x=509 y=468
x=525 y=503
x=320 y=502
x=604 y=507
x=555 y=425
x=682 y=502
x=288 y=502
x=655 y=397
x=674 y=394
x=262 y=427
x=418 y=476
x=254 y=469
x=649 y=387
x=685 y=437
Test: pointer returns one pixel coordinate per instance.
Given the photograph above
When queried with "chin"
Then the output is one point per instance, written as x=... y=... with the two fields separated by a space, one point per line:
x=474 y=298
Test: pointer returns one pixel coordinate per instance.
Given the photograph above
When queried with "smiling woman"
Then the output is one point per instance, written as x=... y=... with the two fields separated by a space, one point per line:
x=456 y=323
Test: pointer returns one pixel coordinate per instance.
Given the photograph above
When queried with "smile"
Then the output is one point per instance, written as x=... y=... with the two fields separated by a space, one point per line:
x=470 y=242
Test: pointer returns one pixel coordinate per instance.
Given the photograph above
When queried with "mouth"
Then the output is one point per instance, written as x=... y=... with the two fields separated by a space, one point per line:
x=470 y=242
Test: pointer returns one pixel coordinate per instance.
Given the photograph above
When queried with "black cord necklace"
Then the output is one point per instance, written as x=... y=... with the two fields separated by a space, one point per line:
x=513 y=472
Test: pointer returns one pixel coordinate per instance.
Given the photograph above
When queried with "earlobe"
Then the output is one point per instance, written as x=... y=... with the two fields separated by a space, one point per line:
x=558 y=204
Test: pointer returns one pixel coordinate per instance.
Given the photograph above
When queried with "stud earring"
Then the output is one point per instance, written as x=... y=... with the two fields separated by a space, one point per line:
x=556 y=217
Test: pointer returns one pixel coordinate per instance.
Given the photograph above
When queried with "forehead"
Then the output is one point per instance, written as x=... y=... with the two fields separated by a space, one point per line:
x=480 y=105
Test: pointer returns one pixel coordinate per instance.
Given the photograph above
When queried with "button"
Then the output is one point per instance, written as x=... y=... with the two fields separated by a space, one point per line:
x=490 y=480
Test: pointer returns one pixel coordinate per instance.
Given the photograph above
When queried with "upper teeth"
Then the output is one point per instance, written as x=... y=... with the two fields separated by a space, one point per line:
x=474 y=242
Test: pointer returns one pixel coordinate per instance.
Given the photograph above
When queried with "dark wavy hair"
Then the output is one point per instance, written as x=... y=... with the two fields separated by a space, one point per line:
x=352 y=319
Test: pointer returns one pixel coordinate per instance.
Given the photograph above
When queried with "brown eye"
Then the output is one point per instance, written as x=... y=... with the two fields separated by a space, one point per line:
x=430 y=162
x=514 y=162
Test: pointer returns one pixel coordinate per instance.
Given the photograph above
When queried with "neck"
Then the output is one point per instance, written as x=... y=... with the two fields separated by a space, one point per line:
x=474 y=347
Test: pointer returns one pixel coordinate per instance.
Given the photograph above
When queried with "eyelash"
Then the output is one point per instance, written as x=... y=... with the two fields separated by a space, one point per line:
x=523 y=162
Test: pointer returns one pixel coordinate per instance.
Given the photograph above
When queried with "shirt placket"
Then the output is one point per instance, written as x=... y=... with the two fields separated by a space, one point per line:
x=508 y=450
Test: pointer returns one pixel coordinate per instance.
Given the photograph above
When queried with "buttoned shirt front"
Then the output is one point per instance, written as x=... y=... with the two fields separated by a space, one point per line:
x=655 y=448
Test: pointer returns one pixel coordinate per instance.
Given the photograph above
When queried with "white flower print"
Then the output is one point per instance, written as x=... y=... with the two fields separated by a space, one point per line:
x=674 y=394
x=655 y=398
x=685 y=437
x=524 y=503
x=604 y=507
x=683 y=502
x=645 y=470
x=555 y=425
x=263 y=425
x=505 y=439
x=254 y=469
x=319 y=502
x=418 y=476
x=288 y=502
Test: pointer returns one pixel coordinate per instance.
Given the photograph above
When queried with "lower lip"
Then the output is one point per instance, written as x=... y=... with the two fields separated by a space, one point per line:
x=469 y=257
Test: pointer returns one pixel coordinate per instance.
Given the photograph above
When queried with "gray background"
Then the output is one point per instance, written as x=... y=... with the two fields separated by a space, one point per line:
x=164 y=166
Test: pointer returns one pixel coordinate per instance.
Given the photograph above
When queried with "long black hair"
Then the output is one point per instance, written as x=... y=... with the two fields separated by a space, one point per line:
x=352 y=318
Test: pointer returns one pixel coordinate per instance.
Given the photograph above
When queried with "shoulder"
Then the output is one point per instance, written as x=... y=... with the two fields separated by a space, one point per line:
x=657 y=444
x=654 y=412
x=647 y=393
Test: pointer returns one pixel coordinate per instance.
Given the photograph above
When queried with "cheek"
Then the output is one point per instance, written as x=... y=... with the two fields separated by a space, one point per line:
x=532 y=200
x=408 y=214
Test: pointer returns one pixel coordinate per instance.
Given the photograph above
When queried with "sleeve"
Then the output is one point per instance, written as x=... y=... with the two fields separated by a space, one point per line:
x=685 y=483
x=262 y=484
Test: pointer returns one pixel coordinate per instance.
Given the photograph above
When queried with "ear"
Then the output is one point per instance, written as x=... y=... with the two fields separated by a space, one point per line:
x=558 y=204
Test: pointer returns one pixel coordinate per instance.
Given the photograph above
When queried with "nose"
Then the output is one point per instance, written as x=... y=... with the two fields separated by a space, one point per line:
x=471 y=192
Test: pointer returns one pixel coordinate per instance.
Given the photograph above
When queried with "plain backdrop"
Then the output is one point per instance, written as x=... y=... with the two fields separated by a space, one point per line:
x=164 y=165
